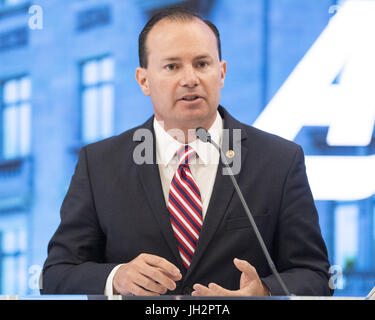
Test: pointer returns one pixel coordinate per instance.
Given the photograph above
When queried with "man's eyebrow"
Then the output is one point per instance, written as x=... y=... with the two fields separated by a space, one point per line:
x=203 y=56
x=171 y=59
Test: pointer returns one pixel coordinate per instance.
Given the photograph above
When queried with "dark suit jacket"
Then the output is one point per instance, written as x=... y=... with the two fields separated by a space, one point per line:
x=115 y=210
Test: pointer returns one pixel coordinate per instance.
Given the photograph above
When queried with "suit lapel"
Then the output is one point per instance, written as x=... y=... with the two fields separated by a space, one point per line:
x=150 y=178
x=222 y=192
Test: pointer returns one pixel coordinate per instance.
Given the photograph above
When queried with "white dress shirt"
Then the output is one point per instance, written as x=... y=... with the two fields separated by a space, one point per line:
x=203 y=167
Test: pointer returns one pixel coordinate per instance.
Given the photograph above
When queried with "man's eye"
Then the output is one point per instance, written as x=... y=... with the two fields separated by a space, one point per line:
x=171 y=67
x=202 y=64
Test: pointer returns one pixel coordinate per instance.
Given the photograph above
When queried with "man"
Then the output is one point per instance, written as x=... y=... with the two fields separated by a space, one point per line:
x=176 y=225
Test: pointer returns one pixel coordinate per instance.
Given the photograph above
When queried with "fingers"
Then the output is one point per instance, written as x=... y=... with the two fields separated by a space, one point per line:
x=212 y=289
x=150 y=286
x=246 y=268
x=139 y=291
x=164 y=265
x=153 y=274
x=250 y=284
x=146 y=275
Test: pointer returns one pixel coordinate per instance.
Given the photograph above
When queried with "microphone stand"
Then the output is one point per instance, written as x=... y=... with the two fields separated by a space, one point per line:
x=204 y=136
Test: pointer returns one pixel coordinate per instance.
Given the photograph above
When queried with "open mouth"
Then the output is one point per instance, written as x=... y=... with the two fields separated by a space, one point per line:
x=190 y=98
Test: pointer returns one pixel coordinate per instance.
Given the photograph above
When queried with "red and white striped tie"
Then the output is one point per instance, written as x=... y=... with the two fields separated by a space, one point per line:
x=185 y=206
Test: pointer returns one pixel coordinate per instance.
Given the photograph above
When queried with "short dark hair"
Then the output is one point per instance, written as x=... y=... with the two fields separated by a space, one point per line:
x=173 y=14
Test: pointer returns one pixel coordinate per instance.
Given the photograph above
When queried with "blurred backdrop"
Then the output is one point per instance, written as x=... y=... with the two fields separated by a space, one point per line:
x=303 y=69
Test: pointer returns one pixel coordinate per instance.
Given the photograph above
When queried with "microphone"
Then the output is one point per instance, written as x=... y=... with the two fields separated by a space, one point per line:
x=203 y=135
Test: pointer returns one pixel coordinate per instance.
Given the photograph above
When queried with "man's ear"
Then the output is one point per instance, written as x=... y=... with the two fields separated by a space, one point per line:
x=142 y=79
x=223 y=71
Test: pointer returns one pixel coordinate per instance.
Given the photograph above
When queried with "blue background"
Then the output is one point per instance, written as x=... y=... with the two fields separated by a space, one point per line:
x=48 y=51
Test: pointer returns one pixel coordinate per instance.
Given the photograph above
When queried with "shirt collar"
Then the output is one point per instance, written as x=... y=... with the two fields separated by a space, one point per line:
x=167 y=146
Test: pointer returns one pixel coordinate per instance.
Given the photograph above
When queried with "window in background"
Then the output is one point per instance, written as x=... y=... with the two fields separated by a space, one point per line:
x=16 y=117
x=13 y=261
x=346 y=236
x=10 y=3
x=97 y=98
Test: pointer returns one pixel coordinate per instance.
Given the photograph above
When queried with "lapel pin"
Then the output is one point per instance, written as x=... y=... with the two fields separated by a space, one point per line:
x=230 y=154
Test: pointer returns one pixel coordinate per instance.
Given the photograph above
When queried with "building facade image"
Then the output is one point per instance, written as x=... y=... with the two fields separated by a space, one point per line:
x=67 y=78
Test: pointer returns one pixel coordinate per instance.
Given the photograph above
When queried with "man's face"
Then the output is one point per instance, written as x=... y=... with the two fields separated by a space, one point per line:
x=184 y=75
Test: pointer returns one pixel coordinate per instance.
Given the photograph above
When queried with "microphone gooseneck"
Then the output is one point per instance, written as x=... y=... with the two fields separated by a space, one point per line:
x=203 y=135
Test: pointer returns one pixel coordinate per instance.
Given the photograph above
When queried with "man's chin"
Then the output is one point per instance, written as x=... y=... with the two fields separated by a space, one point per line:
x=197 y=110
x=196 y=118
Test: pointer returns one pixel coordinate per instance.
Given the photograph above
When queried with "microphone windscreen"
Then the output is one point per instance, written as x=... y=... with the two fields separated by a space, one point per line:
x=202 y=134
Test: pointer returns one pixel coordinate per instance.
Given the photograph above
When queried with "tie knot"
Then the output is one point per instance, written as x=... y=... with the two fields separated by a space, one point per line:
x=185 y=154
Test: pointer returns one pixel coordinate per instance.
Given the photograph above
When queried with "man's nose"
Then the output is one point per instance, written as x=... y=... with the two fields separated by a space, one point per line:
x=189 y=78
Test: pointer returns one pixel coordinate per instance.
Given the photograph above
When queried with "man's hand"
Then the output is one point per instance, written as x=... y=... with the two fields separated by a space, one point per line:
x=250 y=284
x=146 y=275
